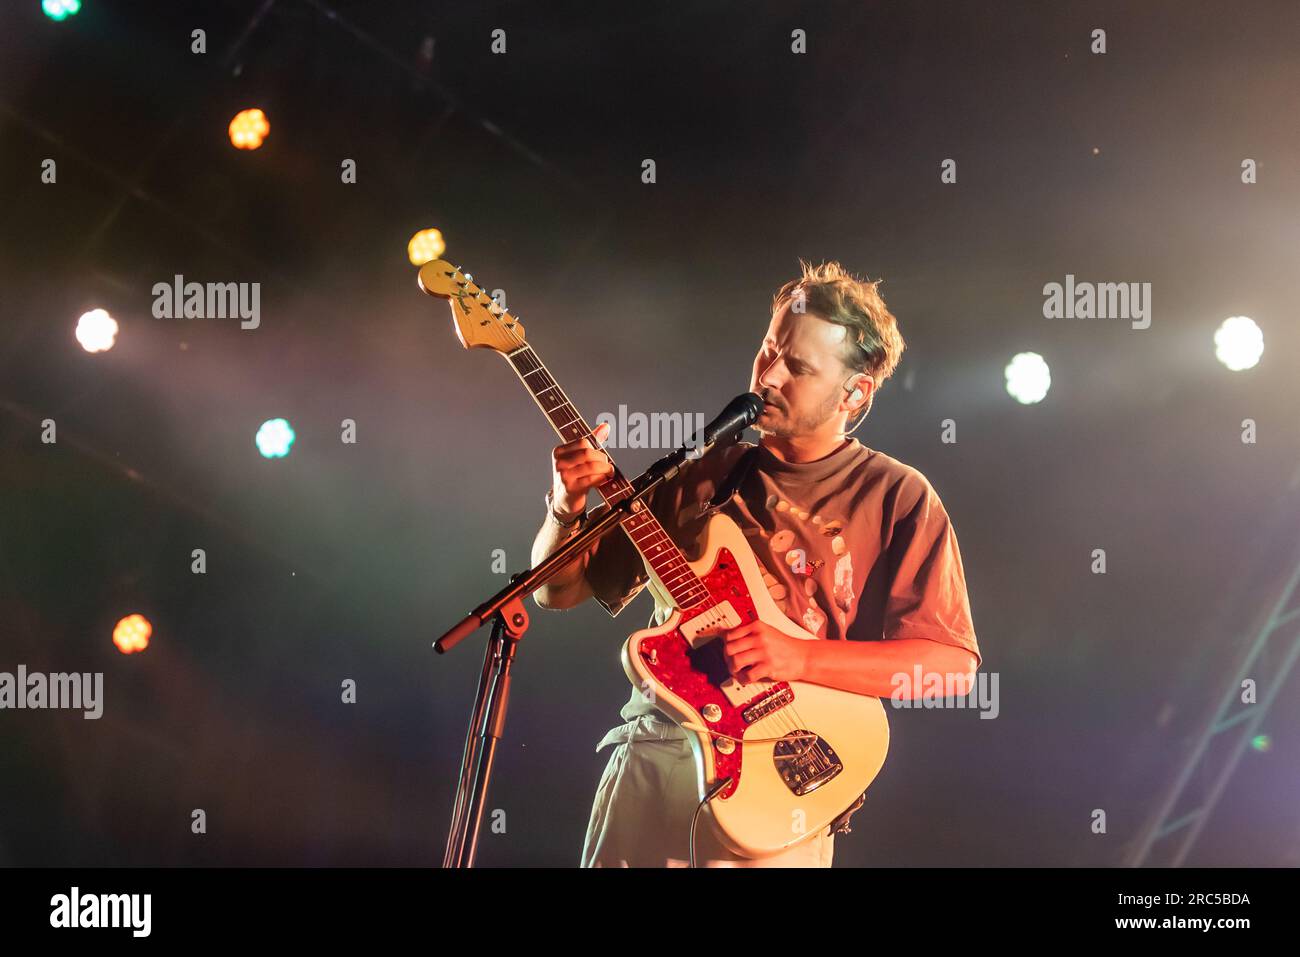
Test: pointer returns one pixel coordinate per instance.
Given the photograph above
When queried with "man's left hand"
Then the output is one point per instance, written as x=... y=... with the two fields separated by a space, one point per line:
x=757 y=651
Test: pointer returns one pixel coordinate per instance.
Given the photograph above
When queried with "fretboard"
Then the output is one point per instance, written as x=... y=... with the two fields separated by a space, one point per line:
x=648 y=536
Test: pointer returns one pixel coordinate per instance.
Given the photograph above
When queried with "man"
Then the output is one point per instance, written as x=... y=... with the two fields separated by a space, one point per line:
x=857 y=549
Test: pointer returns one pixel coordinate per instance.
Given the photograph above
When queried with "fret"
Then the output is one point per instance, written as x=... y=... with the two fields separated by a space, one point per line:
x=640 y=536
x=670 y=570
x=655 y=531
x=655 y=545
x=674 y=578
x=662 y=559
x=657 y=551
x=619 y=490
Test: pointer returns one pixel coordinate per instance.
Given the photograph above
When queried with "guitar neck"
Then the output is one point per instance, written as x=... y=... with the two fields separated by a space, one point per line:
x=647 y=534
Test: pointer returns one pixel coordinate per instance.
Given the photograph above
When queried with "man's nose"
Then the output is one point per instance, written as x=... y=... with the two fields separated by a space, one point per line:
x=770 y=376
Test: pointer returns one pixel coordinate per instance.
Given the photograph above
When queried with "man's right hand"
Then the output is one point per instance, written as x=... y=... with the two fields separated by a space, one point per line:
x=576 y=468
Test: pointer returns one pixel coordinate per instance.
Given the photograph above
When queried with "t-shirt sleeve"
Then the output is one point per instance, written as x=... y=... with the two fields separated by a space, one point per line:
x=927 y=595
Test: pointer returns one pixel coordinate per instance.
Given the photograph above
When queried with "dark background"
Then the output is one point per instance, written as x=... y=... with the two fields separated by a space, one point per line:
x=345 y=561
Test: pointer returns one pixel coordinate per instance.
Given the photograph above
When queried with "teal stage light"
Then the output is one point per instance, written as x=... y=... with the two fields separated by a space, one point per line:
x=275 y=438
x=60 y=9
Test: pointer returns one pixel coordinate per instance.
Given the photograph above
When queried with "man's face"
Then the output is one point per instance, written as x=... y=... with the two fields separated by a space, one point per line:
x=799 y=366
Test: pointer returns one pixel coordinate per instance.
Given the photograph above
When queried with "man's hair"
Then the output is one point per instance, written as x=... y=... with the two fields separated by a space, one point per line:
x=872 y=343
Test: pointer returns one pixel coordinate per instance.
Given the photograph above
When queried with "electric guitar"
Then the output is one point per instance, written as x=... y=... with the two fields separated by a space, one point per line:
x=785 y=758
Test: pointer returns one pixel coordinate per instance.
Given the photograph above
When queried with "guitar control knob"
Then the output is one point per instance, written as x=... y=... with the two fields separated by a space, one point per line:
x=711 y=713
x=724 y=745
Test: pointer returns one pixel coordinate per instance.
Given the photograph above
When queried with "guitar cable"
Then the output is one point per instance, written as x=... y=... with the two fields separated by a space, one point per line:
x=692 y=726
x=718 y=787
x=695 y=818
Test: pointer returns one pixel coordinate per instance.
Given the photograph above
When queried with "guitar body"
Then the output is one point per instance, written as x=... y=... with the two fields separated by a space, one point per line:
x=781 y=792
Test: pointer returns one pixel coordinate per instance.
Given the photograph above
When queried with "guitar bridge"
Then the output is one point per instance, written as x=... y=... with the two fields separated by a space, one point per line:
x=769 y=704
x=805 y=761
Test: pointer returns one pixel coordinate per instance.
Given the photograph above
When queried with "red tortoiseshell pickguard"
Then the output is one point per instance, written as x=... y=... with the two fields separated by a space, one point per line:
x=674 y=669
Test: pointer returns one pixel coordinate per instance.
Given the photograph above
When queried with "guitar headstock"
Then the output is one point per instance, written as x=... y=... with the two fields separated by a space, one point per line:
x=479 y=321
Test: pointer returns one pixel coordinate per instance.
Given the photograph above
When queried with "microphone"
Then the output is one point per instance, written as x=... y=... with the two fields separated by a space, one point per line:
x=740 y=413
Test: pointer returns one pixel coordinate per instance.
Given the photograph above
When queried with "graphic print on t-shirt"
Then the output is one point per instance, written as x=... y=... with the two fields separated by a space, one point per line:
x=875 y=548
x=805 y=543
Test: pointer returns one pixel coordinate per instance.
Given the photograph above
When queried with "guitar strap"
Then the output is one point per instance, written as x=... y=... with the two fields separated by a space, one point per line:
x=739 y=472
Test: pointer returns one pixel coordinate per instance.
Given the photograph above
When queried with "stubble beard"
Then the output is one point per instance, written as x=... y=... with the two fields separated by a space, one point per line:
x=804 y=425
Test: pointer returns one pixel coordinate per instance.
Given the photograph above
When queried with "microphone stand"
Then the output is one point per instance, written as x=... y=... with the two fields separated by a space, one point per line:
x=509 y=623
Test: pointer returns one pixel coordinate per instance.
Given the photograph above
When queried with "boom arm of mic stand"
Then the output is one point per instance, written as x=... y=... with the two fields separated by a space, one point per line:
x=600 y=523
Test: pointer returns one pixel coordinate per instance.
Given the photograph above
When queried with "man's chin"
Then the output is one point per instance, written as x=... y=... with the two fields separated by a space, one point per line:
x=764 y=425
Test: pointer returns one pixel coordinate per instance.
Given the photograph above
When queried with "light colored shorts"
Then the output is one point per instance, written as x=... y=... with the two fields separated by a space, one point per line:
x=641 y=816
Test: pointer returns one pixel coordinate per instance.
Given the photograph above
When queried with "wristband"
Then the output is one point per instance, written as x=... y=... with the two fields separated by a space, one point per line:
x=555 y=517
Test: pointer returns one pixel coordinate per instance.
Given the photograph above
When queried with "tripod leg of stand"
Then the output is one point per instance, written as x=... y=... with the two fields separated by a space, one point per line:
x=486 y=728
x=455 y=849
x=486 y=754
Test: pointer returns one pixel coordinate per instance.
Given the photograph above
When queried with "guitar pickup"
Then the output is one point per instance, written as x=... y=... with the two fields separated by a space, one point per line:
x=708 y=624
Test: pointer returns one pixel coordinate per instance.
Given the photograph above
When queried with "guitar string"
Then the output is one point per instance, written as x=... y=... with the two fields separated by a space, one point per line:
x=787 y=718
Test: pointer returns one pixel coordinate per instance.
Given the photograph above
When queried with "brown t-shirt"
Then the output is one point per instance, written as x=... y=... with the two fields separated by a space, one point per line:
x=855 y=545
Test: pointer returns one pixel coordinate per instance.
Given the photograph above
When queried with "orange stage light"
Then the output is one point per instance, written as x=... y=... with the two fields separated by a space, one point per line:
x=248 y=129
x=425 y=246
x=132 y=634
